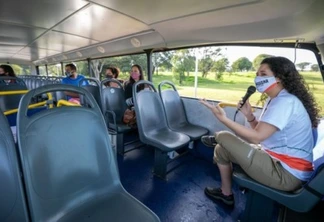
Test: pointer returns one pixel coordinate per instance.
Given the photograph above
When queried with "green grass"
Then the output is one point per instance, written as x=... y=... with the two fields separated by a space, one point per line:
x=233 y=86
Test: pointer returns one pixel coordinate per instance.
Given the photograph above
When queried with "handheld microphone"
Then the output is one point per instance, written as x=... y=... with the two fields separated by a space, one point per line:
x=247 y=95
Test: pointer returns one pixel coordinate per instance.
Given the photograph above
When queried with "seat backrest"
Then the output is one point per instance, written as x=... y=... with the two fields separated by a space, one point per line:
x=66 y=156
x=150 y=115
x=92 y=87
x=8 y=102
x=113 y=99
x=12 y=198
x=173 y=106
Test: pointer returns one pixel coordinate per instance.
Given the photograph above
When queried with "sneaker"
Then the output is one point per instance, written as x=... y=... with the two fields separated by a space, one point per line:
x=208 y=141
x=216 y=194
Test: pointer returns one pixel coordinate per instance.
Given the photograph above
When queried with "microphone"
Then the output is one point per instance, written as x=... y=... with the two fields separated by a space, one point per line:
x=247 y=95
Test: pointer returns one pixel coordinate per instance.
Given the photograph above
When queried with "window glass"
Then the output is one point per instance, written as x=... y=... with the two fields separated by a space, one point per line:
x=225 y=73
x=123 y=63
x=54 y=70
x=20 y=69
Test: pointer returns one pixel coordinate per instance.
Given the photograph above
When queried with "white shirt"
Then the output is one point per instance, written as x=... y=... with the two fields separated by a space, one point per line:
x=293 y=143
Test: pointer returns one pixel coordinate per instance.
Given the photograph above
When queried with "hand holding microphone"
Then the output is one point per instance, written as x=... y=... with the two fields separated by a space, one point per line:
x=242 y=102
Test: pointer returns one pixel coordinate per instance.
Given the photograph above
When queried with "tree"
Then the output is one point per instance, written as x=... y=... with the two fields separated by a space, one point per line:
x=209 y=55
x=220 y=66
x=182 y=61
x=302 y=65
x=257 y=60
x=96 y=67
x=242 y=64
x=162 y=59
x=315 y=68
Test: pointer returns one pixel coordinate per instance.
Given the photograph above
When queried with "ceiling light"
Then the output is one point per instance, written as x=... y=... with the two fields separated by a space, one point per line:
x=135 y=42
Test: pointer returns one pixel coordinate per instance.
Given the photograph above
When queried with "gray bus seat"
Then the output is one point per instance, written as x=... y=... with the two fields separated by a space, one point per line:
x=176 y=115
x=113 y=107
x=261 y=199
x=153 y=129
x=12 y=198
x=69 y=166
x=92 y=86
x=9 y=102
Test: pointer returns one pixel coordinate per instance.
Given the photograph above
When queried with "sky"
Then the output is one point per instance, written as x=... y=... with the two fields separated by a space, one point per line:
x=235 y=52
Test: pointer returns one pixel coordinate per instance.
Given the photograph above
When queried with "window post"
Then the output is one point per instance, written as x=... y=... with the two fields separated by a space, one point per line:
x=149 y=64
x=46 y=68
x=62 y=69
x=89 y=67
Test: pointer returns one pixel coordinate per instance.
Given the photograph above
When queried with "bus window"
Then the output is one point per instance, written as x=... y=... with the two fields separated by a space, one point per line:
x=54 y=70
x=225 y=73
x=21 y=69
x=123 y=63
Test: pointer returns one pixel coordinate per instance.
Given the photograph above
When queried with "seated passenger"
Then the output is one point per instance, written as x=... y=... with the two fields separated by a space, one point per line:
x=6 y=70
x=136 y=75
x=283 y=160
x=112 y=73
x=73 y=78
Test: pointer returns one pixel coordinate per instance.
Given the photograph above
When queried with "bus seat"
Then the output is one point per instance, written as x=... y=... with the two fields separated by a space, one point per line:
x=113 y=107
x=12 y=199
x=93 y=88
x=176 y=115
x=8 y=102
x=69 y=166
x=261 y=199
x=153 y=129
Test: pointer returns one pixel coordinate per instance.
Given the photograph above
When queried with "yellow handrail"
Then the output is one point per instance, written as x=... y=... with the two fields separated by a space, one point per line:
x=225 y=104
x=30 y=106
x=13 y=92
x=17 y=92
x=63 y=102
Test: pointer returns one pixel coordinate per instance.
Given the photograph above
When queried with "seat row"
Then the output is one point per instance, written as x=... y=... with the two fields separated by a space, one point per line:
x=165 y=113
x=64 y=169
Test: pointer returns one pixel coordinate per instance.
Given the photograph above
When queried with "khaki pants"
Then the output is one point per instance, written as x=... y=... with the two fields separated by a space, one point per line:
x=255 y=162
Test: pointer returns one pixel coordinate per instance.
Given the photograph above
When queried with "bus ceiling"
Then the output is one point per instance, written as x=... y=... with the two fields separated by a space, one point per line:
x=48 y=32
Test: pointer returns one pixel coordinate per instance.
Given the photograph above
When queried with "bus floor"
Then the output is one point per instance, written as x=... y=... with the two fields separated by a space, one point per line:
x=181 y=197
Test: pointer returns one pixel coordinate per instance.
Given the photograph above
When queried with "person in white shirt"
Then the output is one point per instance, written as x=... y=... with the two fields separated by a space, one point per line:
x=283 y=158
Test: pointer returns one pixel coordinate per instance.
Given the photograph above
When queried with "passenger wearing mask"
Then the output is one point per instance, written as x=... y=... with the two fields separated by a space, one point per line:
x=6 y=70
x=283 y=157
x=112 y=73
x=136 y=75
x=73 y=78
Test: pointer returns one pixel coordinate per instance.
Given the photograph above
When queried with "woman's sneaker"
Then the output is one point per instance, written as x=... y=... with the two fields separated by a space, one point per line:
x=216 y=194
x=208 y=141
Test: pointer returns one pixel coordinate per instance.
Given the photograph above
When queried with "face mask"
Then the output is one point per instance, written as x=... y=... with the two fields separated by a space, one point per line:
x=109 y=76
x=68 y=74
x=135 y=75
x=264 y=83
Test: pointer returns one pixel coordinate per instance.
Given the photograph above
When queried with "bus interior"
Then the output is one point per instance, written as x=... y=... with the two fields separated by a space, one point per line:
x=66 y=162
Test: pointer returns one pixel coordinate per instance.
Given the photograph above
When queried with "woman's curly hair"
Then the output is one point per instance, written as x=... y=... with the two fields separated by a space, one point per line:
x=295 y=84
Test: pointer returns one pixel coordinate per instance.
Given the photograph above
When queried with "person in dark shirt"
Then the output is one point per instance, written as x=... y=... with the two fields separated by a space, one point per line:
x=136 y=75
x=112 y=73
x=6 y=70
